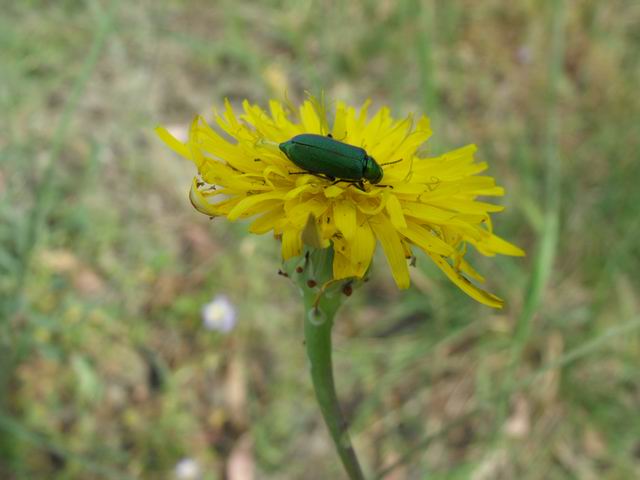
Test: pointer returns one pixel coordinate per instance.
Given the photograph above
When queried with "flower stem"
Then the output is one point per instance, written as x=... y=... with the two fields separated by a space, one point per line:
x=317 y=333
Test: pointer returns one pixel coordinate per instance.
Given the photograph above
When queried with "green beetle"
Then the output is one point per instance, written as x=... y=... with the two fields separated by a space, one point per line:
x=331 y=159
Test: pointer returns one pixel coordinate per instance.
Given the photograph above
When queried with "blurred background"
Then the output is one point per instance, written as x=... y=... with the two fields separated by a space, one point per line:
x=139 y=339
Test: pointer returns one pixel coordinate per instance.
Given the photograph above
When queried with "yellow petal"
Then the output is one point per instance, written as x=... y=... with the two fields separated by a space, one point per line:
x=466 y=206
x=412 y=141
x=215 y=145
x=392 y=246
x=466 y=267
x=229 y=122
x=312 y=235
x=310 y=119
x=286 y=129
x=291 y=243
x=299 y=213
x=251 y=201
x=295 y=192
x=267 y=221
x=364 y=110
x=352 y=129
x=393 y=138
x=406 y=248
x=344 y=215
x=173 y=143
x=372 y=135
x=494 y=244
x=194 y=146
x=395 y=212
x=199 y=201
x=362 y=249
x=342 y=266
x=426 y=240
x=372 y=206
x=340 y=122
x=428 y=213
x=465 y=285
x=333 y=191
x=320 y=106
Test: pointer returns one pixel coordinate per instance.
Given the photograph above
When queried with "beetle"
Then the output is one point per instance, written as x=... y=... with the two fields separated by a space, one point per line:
x=328 y=158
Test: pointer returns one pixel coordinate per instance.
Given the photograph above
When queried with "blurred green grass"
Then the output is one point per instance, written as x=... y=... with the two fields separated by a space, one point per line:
x=106 y=370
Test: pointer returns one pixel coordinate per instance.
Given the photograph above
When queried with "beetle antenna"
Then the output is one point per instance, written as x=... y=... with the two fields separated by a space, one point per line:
x=391 y=163
x=330 y=135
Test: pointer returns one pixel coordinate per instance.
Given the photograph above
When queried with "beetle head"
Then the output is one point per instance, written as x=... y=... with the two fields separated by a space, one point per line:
x=372 y=171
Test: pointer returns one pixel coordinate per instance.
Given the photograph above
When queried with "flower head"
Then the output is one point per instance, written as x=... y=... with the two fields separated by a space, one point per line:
x=188 y=469
x=219 y=314
x=429 y=203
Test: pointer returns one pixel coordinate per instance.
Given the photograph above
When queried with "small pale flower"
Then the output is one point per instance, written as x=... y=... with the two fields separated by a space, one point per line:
x=219 y=314
x=188 y=469
x=428 y=203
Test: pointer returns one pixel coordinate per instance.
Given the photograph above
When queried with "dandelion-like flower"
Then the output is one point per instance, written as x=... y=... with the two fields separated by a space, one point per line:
x=429 y=203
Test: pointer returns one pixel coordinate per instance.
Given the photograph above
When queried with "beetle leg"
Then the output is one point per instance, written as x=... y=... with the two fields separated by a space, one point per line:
x=319 y=175
x=358 y=185
x=341 y=180
x=323 y=176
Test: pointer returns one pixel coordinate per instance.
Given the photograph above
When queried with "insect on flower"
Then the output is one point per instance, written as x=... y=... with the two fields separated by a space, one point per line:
x=334 y=160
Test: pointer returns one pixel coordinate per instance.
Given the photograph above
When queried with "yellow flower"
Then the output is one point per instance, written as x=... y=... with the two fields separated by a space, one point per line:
x=424 y=202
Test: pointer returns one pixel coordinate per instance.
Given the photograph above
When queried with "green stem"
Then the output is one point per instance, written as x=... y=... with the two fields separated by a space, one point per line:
x=313 y=273
x=317 y=333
